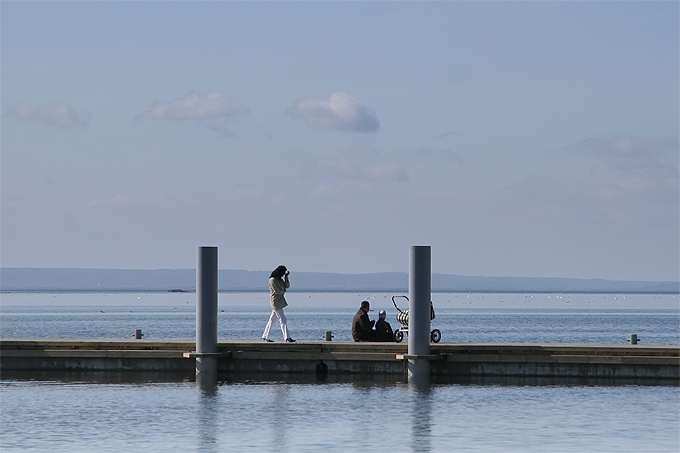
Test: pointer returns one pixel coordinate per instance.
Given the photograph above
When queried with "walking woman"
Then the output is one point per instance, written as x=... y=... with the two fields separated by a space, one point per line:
x=277 y=289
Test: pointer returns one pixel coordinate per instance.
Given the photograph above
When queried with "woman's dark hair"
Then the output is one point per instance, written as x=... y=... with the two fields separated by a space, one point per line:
x=279 y=272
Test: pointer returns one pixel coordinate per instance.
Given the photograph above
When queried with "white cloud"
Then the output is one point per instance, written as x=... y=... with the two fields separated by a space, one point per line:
x=358 y=170
x=56 y=114
x=195 y=107
x=386 y=171
x=121 y=201
x=240 y=195
x=439 y=157
x=635 y=156
x=612 y=201
x=355 y=164
x=126 y=201
x=340 y=112
x=339 y=188
x=640 y=180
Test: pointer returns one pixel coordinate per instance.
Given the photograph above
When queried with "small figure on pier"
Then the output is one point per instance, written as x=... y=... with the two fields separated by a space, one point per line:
x=277 y=300
x=383 y=329
x=362 y=326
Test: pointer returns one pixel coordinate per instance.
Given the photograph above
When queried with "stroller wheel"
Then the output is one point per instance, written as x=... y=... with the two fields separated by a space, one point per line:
x=398 y=336
x=435 y=336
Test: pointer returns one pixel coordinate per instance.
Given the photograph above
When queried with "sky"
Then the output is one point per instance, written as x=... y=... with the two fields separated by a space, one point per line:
x=528 y=139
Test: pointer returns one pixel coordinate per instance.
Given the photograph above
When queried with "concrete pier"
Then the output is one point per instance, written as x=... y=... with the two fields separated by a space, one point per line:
x=449 y=361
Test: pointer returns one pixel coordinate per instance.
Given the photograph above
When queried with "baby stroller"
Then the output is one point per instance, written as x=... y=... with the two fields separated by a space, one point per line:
x=402 y=318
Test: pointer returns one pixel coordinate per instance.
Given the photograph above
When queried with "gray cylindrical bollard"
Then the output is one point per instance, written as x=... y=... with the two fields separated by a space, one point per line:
x=138 y=334
x=420 y=286
x=634 y=339
x=206 y=308
x=329 y=335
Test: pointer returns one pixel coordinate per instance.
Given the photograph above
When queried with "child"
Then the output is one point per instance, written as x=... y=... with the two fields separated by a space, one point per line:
x=383 y=330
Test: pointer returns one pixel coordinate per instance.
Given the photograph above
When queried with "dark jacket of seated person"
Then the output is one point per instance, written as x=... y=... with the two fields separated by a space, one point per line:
x=383 y=329
x=362 y=327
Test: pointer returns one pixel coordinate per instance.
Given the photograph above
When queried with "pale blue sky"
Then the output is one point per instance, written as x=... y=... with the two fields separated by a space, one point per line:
x=516 y=138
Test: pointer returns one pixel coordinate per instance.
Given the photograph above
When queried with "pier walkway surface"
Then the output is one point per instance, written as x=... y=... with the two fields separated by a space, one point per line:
x=455 y=362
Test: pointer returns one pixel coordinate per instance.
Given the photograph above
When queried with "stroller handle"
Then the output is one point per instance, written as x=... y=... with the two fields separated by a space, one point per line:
x=395 y=303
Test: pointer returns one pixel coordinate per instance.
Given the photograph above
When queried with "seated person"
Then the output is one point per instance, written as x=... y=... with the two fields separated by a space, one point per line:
x=362 y=327
x=383 y=329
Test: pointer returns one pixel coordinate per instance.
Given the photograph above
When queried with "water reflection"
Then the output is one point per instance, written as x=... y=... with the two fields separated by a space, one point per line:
x=83 y=412
x=206 y=384
x=420 y=395
x=281 y=410
x=150 y=377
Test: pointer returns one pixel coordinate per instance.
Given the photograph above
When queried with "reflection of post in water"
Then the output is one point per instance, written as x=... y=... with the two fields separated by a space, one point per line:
x=280 y=411
x=421 y=414
x=206 y=384
x=208 y=413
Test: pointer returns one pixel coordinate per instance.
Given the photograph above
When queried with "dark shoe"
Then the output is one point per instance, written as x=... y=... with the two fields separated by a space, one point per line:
x=268 y=340
x=290 y=340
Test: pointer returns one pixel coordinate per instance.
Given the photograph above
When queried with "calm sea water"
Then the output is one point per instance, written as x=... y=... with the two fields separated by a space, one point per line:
x=91 y=412
x=542 y=318
x=340 y=417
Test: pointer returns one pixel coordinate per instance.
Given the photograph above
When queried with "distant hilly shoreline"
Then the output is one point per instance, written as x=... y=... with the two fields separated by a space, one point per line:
x=53 y=279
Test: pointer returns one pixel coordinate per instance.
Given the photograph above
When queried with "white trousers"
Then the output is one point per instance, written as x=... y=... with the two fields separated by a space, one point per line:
x=282 y=320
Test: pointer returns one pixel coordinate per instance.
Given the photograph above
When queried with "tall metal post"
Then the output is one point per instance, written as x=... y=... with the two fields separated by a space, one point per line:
x=206 y=311
x=420 y=286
